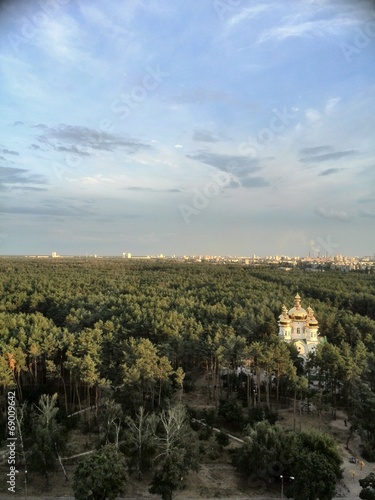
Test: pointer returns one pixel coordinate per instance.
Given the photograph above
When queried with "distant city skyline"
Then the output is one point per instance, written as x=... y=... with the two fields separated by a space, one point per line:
x=218 y=257
x=187 y=128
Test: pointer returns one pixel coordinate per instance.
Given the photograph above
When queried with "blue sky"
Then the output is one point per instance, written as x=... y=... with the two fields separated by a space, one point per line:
x=204 y=127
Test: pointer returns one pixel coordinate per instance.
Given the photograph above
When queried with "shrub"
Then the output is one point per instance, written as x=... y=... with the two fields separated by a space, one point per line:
x=222 y=439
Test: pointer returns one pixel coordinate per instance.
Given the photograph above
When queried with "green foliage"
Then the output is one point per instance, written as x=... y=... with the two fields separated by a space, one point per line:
x=362 y=415
x=141 y=441
x=208 y=415
x=264 y=445
x=324 y=445
x=177 y=452
x=260 y=413
x=311 y=458
x=75 y=327
x=144 y=369
x=204 y=432
x=222 y=438
x=101 y=476
x=368 y=452
x=314 y=477
x=168 y=475
x=231 y=411
x=111 y=423
x=213 y=448
x=49 y=438
x=6 y=375
x=368 y=487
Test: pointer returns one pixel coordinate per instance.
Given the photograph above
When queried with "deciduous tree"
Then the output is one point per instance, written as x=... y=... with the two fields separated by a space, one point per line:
x=101 y=476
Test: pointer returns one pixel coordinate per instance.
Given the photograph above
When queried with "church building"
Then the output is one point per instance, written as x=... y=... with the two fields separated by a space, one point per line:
x=299 y=327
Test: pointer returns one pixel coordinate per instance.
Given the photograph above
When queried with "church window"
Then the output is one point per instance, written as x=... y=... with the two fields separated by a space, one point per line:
x=298 y=330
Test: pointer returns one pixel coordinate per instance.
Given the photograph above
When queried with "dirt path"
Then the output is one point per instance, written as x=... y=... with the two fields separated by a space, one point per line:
x=349 y=487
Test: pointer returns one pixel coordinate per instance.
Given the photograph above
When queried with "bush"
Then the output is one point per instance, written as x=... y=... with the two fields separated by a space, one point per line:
x=204 y=433
x=260 y=413
x=213 y=448
x=222 y=439
x=209 y=415
x=368 y=453
x=231 y=411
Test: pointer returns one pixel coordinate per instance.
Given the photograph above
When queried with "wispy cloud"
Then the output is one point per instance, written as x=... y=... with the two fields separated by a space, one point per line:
x=6 y=151
x=235 y=164
x=45 y=211
x=151 y=190
x=332 y=214
x=242 y=167
x=331 y=105
x=200 y=95
x=321 y=154
x=254 y=182
x=368 y=198
x=247 y=13
x=10 y=176
x=62 y=39
x=312 y=115
x=52 y=207
x=317 y=150
x=297 y=27
x=204 y=136
x=330 y=171
x=82 y=140
x=367 y=213
x=111 y=26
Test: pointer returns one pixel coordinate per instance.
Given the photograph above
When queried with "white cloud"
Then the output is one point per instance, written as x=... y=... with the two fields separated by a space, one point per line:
x=312 y=115
x=312 y=28
x=367 y=213
x=332 y=214
x=108 y=24
x=64 y=40
x=331 y=104
x=246 y=14
x=96 y=179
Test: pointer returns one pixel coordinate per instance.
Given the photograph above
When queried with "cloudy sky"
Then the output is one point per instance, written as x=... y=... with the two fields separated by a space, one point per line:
x=187 y=127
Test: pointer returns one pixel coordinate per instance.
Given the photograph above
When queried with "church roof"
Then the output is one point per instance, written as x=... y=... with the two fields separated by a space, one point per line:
x=284 y=318
x=297 y=312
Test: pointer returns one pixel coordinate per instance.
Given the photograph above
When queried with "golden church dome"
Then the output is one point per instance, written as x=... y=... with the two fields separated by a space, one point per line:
x=311 y=320
x=297 y=312
x=284 y=318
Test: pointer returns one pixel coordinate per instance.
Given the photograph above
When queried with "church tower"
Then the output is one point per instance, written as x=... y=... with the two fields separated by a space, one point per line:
x=299 y=327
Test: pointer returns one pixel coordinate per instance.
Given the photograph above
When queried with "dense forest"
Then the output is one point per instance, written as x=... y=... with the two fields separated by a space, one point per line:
x=130 y=338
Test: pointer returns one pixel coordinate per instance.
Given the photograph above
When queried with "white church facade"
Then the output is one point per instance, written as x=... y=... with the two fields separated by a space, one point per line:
x=299 y=327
